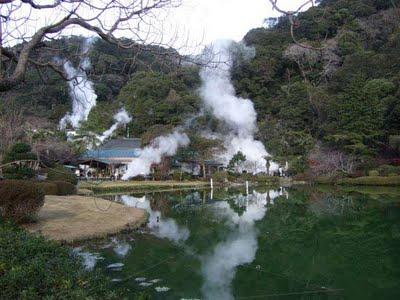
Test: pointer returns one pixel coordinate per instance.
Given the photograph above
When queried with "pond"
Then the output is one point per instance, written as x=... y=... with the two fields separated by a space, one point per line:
x=292 y=243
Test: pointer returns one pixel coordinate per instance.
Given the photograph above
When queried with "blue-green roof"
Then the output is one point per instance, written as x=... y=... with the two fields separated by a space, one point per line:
x=111 y=153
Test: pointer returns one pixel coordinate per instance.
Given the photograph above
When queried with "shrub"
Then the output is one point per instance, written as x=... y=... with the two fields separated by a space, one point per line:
x=245 y=177
x=64 y=188
x=220 y=177
x=385 y=170
x=265 y=179
x=49 y=188
x=373 y=173
x=59 y=173
x=177 y=175
x=20 y=199
x=371 y=180
x=34 y=268
x=181 y=176
x=19 y=151
x=13 y=172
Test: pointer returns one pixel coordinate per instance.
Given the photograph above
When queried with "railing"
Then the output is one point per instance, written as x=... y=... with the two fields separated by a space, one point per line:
x=29 y=163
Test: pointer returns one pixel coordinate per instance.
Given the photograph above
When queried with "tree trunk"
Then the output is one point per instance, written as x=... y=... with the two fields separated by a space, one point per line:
x=204 y=169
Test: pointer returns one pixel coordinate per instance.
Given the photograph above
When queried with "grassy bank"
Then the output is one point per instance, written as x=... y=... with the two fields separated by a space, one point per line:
x=139 y=186
x=365 y=180
x=34 y=268
x=371 y=180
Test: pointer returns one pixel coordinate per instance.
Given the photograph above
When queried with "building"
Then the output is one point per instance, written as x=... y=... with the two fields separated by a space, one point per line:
x=195 y=167
x=110 y=159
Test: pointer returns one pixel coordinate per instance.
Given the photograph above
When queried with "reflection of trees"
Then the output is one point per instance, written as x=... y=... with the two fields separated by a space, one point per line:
x=331 y=204
x=158 y=202
x=334 y=242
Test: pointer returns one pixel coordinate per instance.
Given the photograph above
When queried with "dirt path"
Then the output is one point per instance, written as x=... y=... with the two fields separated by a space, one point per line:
x=74 y=218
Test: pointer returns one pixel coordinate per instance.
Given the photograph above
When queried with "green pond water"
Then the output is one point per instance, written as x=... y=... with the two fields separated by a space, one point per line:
x=297 y=243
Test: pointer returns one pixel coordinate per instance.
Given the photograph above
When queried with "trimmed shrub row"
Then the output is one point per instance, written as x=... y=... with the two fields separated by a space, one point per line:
x=371 y=180
x=59 y=173
x=224 y=176
x=59 y=188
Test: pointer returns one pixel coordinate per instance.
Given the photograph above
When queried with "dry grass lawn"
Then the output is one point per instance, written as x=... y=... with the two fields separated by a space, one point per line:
x=74 y=218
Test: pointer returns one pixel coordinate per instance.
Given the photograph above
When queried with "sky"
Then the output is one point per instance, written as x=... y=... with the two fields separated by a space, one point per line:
x=205 y=21
x=188 y=28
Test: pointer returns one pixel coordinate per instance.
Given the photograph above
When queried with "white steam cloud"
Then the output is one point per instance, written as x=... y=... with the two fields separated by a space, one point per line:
x=80 y=89
x=238 y=114
x=153 y=154
x=120 y=118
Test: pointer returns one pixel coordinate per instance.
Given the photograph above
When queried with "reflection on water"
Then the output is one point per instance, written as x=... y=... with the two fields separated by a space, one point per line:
x=89 y=259
x=238 y=248
x=235 y=244
x=240 y=245
x=160 y=226
x=121 y=248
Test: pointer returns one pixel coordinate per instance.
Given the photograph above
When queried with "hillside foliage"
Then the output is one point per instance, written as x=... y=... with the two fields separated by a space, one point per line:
x=339 y=94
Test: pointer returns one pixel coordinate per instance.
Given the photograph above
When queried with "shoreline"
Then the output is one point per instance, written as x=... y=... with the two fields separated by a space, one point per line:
x=360 y=181
x=122 y=187
x=70 y=219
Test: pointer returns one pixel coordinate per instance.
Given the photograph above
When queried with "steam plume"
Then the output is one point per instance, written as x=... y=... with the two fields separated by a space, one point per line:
x=236 y=113
x=120 y=118
x=80 y=89
x=160 y=147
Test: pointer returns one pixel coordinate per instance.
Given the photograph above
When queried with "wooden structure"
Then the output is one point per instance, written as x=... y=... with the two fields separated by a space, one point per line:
x=110 y=159
x=26 y=163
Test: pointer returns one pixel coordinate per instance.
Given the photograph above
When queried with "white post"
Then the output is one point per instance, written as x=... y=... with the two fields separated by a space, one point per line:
x=211 y=183
x=247 y=187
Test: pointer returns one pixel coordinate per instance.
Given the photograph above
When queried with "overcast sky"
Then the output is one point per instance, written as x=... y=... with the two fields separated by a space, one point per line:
x=209 y=20
x=195 y=23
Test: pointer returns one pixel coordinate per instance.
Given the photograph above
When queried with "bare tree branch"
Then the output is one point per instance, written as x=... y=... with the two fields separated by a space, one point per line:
x=291 y=16
x=135 y=19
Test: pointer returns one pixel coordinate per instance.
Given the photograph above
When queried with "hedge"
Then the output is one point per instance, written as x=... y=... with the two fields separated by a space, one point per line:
x=59 y=188
x=65 y=188
x=49 y=188
x=220 y=177
x=59 y=173
x=20 y=200
x=371 y=180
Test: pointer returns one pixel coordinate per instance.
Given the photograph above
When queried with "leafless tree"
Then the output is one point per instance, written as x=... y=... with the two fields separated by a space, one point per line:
x=330 y=162
x=291 y=14
x=11 y=126
x=30 y=23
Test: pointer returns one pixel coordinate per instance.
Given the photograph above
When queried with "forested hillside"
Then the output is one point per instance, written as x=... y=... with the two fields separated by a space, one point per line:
x=342 y=91
x=336 y=89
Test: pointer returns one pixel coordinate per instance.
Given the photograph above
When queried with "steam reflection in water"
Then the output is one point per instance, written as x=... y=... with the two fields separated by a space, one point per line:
x=160 y=226
x=239 y=247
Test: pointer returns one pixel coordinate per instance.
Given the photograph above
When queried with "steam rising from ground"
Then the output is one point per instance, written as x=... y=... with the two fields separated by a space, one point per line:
x=80 y=89
x=238 y=114
x=153 y=154
x=120 y=118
